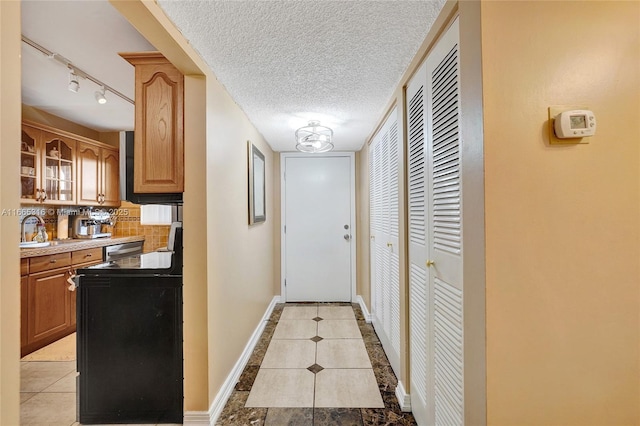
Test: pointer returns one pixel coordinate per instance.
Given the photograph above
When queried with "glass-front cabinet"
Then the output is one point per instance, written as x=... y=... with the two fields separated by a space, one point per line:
x=47 y=167
x=59 y=173
x=29 y=165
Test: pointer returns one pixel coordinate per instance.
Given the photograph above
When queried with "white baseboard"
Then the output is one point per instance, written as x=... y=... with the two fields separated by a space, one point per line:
x=365 y=311
x=404 y=399
x=197 y=418
x=211 y=417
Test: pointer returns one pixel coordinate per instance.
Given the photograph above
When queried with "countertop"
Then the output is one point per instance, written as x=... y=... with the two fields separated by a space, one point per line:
x=72 y=245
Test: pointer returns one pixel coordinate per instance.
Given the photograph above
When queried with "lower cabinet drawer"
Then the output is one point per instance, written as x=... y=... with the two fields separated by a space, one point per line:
x=87 y=255
x=52 y=261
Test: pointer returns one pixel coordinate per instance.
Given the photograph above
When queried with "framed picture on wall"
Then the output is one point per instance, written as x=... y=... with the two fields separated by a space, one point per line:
x=257 y=185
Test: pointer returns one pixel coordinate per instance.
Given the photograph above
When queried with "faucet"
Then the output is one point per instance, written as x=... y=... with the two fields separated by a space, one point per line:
x=41 y=220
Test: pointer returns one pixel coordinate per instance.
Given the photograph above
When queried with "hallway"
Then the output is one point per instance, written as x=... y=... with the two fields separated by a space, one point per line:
x=316 y=364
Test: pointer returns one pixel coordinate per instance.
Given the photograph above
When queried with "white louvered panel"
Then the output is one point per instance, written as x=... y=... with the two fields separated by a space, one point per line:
x=395 y=303
x=372 y=189
x=448 y=357
x=419 y=332
x=393 y=178
x=416 y=169
x=385 y=184
x=446 y=156
x=376 y=188
x=386 y=294
x=377 y=305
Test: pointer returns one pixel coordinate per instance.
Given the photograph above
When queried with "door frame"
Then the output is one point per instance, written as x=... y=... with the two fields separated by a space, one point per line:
x=352 y=190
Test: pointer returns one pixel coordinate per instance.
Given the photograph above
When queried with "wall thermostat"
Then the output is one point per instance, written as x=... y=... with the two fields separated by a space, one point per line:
x=577 y=123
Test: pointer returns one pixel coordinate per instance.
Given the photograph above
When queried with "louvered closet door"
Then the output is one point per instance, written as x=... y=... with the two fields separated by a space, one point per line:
x=436 y=254
x=419 y=298
x=385 y=262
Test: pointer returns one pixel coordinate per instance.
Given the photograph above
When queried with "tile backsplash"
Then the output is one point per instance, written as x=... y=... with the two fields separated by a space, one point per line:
x=126 y=224
x=155 y=236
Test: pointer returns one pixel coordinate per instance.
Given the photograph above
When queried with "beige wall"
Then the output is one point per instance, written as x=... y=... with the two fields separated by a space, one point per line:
x=240 y=256
x=9 y=199
x=39 y=116
x=562 y=222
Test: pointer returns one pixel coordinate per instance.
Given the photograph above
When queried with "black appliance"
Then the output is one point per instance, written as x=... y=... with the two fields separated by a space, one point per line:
x=126 y=176
x=129 y=336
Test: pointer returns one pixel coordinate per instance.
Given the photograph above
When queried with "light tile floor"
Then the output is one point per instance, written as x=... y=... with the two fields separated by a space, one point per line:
x=308 y=342
x=316 y=364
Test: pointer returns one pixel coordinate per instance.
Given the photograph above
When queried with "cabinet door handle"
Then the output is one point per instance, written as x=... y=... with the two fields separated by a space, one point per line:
x=89 y=255
x=37 y=194
x=44 y=195
x=52 y=261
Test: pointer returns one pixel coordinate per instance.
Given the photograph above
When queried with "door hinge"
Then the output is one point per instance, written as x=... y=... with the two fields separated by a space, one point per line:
x=285 y=282
x=285 y=175
x=285 y=229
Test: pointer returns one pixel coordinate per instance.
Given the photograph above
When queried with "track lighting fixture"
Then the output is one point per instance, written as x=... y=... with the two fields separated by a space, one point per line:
x=100 y=96
x=75 y=73
x=74 y=85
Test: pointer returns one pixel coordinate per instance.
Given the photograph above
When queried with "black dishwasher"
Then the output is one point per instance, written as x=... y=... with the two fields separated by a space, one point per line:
x=130 y=339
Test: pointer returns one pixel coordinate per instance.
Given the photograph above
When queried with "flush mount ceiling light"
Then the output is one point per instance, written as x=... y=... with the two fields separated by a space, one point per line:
x=74 y=85
x=314 y=138
x=100 y=96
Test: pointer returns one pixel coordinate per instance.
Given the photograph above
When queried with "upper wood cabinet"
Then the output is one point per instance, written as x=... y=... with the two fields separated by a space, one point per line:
x=159 y=130
x=47 y=167
x=98 y=178
x=60 y=168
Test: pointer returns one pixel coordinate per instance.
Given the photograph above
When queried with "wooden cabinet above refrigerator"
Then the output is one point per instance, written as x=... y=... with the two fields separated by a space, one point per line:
x=159 y=130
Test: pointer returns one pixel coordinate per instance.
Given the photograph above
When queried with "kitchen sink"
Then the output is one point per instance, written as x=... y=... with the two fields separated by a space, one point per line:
x=57 y=242
x=34 y=244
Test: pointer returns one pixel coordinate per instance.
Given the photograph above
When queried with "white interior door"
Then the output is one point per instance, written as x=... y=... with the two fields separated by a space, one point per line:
x=445 y=227
x=435 y=231
x=385 y=260
x=318 y=231
x=419 y=306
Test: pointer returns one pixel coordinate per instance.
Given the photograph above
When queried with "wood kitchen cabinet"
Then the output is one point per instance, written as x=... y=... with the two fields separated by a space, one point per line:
x=60 y=168
x=159 y=124
x=47 y=167
x=98 y=175
x=24 y=300
x=48 y=307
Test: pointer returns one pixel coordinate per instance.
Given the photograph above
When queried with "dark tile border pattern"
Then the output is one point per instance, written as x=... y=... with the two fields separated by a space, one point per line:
x=236 y=414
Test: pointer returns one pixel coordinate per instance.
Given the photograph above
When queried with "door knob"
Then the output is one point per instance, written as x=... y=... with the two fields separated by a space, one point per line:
x=430 y=263
x=347 y=237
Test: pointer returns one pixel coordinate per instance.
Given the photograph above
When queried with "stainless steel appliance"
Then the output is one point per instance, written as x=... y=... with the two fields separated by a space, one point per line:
x=118 y=251
x=89 y=225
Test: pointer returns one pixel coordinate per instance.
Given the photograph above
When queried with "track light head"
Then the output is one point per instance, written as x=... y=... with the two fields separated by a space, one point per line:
x=100 y=98
x=74 y=84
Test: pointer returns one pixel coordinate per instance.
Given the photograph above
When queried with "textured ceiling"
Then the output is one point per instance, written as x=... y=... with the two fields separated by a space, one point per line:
x=285 y=62
x=89 y=34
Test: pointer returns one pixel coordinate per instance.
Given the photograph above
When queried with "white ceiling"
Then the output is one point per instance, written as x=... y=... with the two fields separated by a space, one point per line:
x=285 y=62
x=89 y=34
